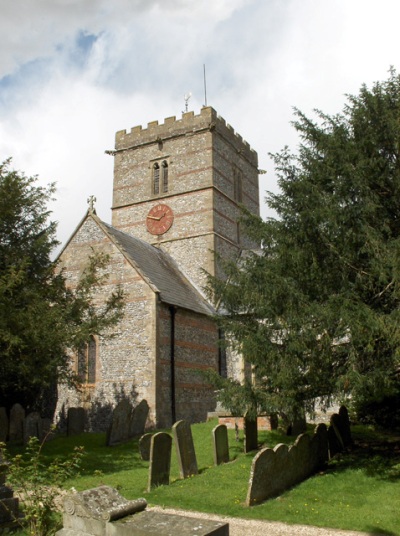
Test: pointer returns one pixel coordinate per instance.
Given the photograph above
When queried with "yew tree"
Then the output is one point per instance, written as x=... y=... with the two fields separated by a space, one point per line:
x=316 y=310
x=41 y=319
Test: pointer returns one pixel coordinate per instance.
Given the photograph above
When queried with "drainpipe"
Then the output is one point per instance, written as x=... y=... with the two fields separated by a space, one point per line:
x=172 y=312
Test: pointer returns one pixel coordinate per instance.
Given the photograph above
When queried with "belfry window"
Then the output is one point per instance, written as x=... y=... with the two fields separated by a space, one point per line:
x=165 y=176
x=237 y=184
x=160 y=179
x=87 y=362
x=156 y=179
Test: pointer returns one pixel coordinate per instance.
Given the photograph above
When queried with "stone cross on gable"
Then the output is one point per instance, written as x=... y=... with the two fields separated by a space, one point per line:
x=91 y=201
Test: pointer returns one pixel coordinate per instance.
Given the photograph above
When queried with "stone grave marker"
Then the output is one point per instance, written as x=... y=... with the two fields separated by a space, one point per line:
x=17 y=419
x=250 y=433
x=160 y=460
x=3 y=425
x=144 y=447
x=220 y=444
x=33 y=426
x=76 y=421
x=185 y=452
x=344 y=426
x=120 y=423
x=139 y=418
x=103 y=511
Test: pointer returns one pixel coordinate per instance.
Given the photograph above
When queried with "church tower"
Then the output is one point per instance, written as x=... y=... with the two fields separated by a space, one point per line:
x=178 y=185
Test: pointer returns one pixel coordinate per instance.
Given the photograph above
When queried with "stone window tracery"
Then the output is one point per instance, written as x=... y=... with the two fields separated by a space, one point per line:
x=160 y=177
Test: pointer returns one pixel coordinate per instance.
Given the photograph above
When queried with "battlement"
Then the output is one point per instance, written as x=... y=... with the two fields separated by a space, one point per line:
x=208 y=119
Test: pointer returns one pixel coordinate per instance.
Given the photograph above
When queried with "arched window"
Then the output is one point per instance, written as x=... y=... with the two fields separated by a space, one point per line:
x=165 y=176
x=156 y=179
x=87 y=361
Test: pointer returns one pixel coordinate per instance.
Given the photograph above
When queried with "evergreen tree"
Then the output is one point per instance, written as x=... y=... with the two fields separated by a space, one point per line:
x=40 y=317
x=316 y=310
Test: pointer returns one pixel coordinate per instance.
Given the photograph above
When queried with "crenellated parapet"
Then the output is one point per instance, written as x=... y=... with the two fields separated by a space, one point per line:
x=189 y=124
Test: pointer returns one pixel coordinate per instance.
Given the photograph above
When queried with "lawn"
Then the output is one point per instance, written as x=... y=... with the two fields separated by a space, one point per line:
x=358 y=491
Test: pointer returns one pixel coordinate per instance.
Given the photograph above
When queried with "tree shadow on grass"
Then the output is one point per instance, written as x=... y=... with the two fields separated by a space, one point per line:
x=378 y=458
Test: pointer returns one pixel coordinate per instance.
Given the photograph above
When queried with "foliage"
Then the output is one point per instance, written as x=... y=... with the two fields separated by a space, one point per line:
x=38 y=485
x=382 y=411
x=40 y=317
x=316 y=310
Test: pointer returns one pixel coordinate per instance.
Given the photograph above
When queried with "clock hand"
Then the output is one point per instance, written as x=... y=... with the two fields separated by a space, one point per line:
x=155 y=218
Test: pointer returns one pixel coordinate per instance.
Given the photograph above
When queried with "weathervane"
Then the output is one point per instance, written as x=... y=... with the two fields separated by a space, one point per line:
x=91 y=200
x=187 y=97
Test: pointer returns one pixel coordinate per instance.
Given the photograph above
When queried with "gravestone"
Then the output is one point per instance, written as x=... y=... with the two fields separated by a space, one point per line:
x=120 y=423
x=139 y=418
x=220 y=444
x=103 y=511
x=250 y=433
x=33 y=426
x=160 y=460
x=344 y=426
x=17 y=419
x=76 y=421
x=185 y=449
x=144 y=447
x=335 y=440
x=3 y=425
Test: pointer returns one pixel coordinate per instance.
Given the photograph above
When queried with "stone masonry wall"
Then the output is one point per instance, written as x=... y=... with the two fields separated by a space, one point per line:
x=195 y=350
x=125 y=365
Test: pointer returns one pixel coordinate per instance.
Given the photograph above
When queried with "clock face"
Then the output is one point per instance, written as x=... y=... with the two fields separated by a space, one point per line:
x=159 y=219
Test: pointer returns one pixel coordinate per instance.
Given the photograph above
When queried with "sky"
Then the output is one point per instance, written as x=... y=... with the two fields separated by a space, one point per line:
x=74 y=72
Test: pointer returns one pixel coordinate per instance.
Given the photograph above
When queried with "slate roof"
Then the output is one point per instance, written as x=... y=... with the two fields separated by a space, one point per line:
x=161 y=271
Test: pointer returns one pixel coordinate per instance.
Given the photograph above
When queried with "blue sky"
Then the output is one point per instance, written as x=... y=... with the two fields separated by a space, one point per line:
x=73 y=72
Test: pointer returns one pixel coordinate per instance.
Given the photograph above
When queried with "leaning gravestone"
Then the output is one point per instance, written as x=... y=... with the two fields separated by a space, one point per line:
x=103 y=511
x=33 y=426
x=17 y=419
x=335 y=440
x=3 y=425
x=76 y=421
x=220 y=444
x=160 y=460
x=185 y=449
x=144 y=447
x=120 y=424
x=250 y=433
x=138 y=419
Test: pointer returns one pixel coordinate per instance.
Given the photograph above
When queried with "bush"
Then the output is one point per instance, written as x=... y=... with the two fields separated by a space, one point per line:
x=38 y=485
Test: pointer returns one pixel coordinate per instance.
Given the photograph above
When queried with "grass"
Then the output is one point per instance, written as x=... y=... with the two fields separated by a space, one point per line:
x=359 y=490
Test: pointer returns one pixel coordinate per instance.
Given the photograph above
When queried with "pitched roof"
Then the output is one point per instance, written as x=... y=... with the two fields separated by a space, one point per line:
x=160 y=270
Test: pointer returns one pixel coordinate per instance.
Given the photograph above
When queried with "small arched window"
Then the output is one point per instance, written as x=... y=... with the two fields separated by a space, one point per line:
x=87 y=362
x=156 y=179
x=165 y=176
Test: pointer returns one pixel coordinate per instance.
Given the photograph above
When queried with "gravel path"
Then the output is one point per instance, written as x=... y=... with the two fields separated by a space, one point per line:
x=251 y=527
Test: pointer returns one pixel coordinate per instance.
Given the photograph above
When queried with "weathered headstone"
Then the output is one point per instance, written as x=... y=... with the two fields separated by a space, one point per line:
x=220 y=444
x=17 y=419
x=250 y=433
x=120 y=424
x=185 y=452
x=33 y=426
x=335 y=440
x=103 y=511
x=344 y=426
x=160 y=460
x=139 y=418
x=144 y=447
x=3 y=425
x=76 y=421
x=274 y=471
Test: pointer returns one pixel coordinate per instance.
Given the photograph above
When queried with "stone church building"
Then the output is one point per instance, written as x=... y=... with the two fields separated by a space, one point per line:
x=176 y=196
